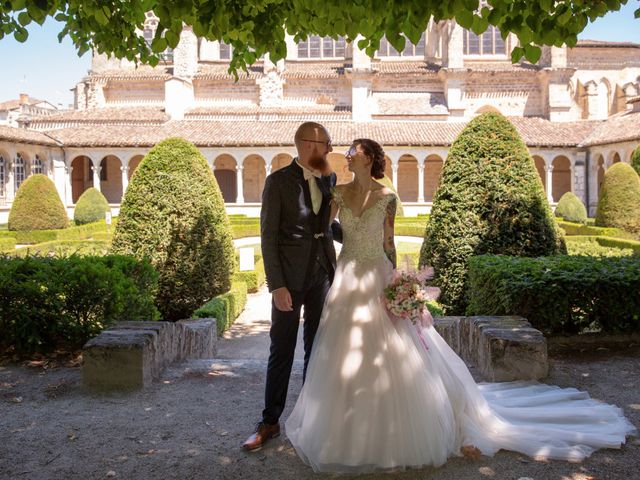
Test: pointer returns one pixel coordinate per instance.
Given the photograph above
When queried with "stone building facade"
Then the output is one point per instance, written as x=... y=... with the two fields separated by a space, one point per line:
x=578 y=111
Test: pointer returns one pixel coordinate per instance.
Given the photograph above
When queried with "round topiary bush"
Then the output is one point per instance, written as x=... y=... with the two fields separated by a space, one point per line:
x=619 y=202
x=37 y=206
x=635 y=160
x=571 y=209
x=173 y=214
x=490 y=200
x=91 y=207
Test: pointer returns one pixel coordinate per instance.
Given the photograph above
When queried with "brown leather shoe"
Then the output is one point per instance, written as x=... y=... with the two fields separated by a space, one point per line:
x=263 y=432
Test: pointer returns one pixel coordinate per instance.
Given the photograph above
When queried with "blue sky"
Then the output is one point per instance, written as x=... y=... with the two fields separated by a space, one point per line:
x=46 y=69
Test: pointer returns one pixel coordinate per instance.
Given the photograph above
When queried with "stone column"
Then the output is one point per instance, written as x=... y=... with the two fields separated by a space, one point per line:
x=549 y=180
x=453 y=45
x=421 y=181
x=69 y=185
x=125 y=179
x=239 y=183
x=394 y=170
x=11 y=185
x=96 y=176
x=267 y=166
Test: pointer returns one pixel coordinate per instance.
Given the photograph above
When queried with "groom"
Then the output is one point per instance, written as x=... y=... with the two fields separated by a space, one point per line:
x=299 y=260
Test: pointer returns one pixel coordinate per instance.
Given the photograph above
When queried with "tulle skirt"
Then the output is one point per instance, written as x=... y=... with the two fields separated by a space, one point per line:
x=376 y=399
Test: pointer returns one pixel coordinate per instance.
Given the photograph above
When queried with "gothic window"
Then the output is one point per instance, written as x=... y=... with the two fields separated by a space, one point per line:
x=321 y=47
x=410 y=50
x=488 y=43
x=18 y=171
x=225 y=51
x=150 y=27
x=38 y=165
x=2 y=176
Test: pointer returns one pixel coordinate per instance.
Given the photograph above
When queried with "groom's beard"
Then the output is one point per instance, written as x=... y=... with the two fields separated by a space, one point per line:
x=320 y=163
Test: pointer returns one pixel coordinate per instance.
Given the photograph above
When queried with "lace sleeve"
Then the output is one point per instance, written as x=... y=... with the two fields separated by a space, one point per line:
x=336 y=196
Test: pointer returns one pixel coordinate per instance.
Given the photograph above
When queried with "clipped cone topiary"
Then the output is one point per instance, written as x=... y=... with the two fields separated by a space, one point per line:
x=490 y=200
x=173 y=213
x=571 y=209
x=37 y=206
x=635 y=160
x=619 y=202
x=91 y=207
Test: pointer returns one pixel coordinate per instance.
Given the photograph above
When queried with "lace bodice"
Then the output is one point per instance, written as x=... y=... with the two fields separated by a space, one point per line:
x=363 y=236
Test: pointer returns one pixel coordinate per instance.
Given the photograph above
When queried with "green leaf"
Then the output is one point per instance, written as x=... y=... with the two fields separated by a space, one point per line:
x=158 y=45
x=637 y=13
x=532 y=53
x=24 y=19
x=516 y=54
x=172 y=38
x=479 y=25
x=464 y=18
x=21 y=35
x=101 y=18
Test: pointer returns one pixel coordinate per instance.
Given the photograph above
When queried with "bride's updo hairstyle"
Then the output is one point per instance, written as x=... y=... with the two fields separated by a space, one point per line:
x=373 y=150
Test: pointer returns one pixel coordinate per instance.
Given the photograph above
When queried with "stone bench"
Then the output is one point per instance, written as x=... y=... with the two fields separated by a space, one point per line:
x=131 y=355
x=503 y=348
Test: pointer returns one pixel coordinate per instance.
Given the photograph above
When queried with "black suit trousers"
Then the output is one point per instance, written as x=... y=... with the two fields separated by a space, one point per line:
x=284 y=334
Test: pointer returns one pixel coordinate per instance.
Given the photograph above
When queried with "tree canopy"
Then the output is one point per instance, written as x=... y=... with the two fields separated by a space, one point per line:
x=256 y=27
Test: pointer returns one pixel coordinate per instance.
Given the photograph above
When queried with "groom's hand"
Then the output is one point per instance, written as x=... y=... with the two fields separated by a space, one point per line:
x=282 y=299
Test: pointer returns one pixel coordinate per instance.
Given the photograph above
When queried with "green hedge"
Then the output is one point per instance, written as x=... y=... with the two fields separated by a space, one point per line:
x=225 y=308
x=48 y=303
x=82 y=232
x=66 y=248
x=624 y=247
x=571 y=228
x=586 y=245
x=242 y=231
x=559 y=294
x=7 y=244
x=254 y=278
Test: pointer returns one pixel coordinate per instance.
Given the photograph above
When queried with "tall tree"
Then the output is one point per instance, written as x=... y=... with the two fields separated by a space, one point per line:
x=256 y=27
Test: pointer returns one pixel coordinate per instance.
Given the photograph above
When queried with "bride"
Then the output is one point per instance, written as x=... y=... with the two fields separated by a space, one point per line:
x=376 y=399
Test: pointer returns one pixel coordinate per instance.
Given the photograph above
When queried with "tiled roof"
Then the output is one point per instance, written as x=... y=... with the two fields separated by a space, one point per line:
x=505 y=66
x=22 y=135
x=220 y=71
x=535 y=132
x=624 y=126
x=161 y=72
x=405 y=67
x=101 y=115
x=605 y=44
x=13 y=104
x=412 y=104
x=253 y=109
x=314 y=69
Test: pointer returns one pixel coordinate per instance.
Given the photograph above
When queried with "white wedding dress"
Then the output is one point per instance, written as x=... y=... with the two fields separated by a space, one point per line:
x=376 y=399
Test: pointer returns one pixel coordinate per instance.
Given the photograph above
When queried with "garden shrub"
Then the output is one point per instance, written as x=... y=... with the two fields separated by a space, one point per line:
x=591 y=245
x=7 y=244
x=91 y=207
x=225 y=308
x=571 y=228
x=37 y=206
x=489 y=200
x=173 y=214
x=635 y=160
x=571 y=208
x=48 y=303
x=66 y=248
x=560 y=294
x=254 y=278
x=619 y=202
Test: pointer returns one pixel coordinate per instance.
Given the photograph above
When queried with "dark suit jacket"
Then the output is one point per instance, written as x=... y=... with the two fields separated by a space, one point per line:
x=288 y=225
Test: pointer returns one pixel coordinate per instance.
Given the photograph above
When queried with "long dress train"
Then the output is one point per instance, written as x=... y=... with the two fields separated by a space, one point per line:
x=376 y=399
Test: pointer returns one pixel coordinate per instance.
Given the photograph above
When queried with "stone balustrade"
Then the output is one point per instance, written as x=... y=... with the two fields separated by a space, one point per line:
x=503 y=348
x=131 y=355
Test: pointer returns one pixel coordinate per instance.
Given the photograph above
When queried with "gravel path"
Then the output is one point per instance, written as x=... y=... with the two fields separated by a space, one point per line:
x=190 y=423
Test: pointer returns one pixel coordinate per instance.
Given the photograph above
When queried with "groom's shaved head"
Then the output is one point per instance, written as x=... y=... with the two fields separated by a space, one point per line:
x=310 y=131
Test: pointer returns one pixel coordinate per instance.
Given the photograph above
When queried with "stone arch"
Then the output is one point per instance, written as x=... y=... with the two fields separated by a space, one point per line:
x=561 y=177
x=432 y=170
x=111 y=178
x=408 y=178
x=604 y=96
x=280 y=160
x=540 y=168
x=253 y=175
x=81 y=176
x=134 y=162
x=225 y=172
x=339 y=165
x=615 y=158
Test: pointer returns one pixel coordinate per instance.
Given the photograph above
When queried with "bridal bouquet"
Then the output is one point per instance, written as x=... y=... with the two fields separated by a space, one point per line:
x=408 y=294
